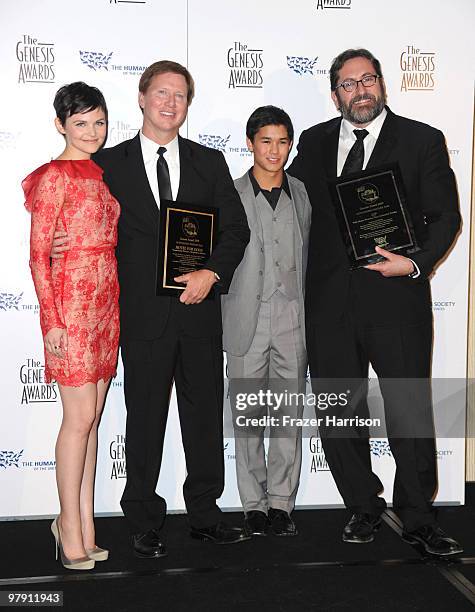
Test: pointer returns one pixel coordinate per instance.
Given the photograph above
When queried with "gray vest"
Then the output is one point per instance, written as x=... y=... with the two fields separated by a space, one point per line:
x=280 y=273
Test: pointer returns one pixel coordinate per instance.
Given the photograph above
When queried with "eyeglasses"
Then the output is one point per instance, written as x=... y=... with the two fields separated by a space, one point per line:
x=351 y=85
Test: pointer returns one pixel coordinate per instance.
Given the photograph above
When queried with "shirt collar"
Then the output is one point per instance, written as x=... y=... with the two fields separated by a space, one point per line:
x=257 y=188
x=150 y=148
x=373 y=128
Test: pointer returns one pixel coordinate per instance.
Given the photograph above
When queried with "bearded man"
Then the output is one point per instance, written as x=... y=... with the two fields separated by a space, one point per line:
x=380 y=313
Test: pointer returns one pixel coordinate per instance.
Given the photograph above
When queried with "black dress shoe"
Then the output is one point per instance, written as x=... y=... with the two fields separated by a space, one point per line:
x=280 y=523
x=256 y=523
x=220 y=534
x=433 y=539
x=361 y=528
x=147 y=545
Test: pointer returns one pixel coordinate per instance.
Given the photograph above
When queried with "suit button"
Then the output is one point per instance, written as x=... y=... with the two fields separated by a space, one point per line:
x=279 y=284
x=258 y=297
x=261 y=272
x=277 y=263
x=274 y=218
x=276 y=241
x=262 y=250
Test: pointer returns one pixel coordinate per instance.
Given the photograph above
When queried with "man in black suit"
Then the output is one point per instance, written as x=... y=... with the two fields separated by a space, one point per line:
x=380 y=314
x=166 y=339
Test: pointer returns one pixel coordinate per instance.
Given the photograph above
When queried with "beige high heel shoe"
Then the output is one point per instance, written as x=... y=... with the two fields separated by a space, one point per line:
x=83 y=563
x=98 y=554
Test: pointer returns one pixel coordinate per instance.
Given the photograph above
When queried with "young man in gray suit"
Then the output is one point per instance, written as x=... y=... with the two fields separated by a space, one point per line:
x=263 y=323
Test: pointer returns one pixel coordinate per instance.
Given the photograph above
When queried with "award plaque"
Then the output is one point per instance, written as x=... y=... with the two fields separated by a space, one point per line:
x=371 y=211
x=186 y=238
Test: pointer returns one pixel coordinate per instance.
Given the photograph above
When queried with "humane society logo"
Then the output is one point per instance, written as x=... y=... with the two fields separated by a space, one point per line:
x=96 y=60
x=380 y=448
x=10 y=458
x=214 y=141
x=10 y=301
x=301 y=65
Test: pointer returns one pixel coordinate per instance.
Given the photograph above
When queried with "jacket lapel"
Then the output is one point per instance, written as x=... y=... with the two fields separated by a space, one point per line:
x=298 y=219
x=330 y=148
x=248 y=199
x=143 y=195
x=385 y=144
x=186 y=172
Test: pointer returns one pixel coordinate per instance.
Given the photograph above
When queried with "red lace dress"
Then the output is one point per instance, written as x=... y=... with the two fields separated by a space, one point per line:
x=79 y=292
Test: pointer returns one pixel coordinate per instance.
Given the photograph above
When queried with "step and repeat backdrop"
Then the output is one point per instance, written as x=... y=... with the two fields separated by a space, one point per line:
x=242 y=55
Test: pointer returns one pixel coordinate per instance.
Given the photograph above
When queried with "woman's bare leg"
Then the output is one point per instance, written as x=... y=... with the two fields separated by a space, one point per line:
x=87 y=487
x=79 y=413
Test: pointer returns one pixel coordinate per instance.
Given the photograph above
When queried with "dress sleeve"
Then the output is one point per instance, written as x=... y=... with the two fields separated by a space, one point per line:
x=44 y=198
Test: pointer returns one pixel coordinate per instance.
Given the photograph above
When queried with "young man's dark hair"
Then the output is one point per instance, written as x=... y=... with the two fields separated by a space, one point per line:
x=348 y=55
x=268 y=115
x=77 y=98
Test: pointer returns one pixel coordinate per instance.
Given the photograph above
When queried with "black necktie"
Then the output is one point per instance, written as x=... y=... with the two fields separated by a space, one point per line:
x=163 y=176
x=354 y=161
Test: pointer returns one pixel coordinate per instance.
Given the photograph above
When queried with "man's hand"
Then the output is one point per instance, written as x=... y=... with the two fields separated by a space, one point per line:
x=56 y=341
x=60 y=244
x=198 y=285
x=395 y=265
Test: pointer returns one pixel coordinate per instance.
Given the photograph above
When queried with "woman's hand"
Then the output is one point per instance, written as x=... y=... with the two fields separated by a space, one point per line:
x=56 y=341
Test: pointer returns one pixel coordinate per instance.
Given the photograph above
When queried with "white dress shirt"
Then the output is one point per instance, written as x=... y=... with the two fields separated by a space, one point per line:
x=347 y=139
x=150 y=157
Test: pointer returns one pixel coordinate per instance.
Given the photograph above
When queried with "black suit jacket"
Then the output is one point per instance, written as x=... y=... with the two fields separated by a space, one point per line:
x=431 y=198
x=204 y=178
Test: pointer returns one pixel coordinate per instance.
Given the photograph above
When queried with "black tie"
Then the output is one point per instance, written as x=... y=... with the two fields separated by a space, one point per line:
x=354 y=161
x=163 y=176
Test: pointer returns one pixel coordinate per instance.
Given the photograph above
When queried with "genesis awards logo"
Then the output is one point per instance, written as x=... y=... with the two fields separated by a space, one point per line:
x=36 y=60
x=418 y=69
x=117 y=455
x=333 y=4
x=35 y=389
x=245 y=66
x=319 y=462
x=119 y=131
x=213 y=141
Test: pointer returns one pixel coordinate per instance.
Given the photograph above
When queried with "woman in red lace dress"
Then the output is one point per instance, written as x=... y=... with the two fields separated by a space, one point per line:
x=79 y=310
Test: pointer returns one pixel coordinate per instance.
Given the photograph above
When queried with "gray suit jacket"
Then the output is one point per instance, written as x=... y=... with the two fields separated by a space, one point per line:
x=240 y=306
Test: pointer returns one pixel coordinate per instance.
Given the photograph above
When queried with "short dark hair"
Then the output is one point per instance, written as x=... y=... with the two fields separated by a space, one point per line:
x=162 y=67
x=349 y=54
x=77 y=98
x=268 y=115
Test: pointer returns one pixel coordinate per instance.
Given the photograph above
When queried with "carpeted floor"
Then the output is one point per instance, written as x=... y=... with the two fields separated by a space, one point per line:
x=313 y=571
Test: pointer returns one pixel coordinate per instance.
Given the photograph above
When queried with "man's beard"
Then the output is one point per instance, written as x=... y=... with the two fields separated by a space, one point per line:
x=365 y=114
